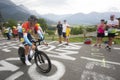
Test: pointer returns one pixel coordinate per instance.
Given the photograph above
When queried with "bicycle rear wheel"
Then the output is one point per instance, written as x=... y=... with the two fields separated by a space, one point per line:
x=21 y=53
x=43 y=62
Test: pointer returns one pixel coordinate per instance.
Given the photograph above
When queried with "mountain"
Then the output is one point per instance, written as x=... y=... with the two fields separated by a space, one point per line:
x=9 y=10
x=81 y=18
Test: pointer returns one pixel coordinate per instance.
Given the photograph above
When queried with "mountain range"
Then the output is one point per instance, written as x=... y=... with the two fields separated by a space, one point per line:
x=81 y=18
x=10 y=10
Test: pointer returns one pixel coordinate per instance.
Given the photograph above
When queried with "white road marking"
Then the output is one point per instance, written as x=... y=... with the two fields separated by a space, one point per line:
x=7 y=66
x=6 y=50
x=61 y=52
x=10 y=59
x=89 y=75
x=94 y=49
x=92 y=59
x=91 y=65
x=52 y=42
x=34 y=75
x=116 y=48
x=97 y=54
x=15 y=75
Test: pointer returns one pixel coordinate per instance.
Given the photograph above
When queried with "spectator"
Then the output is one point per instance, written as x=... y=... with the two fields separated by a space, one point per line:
x=112 y=24
x=20 y=34
x=100 y=32
x=67 y=34
x=15 y=32
x=65 y=25
x=59 y=31
x=8 y=32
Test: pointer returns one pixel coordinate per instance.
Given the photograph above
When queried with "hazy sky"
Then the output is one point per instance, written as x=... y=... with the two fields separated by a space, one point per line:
x=70 y=6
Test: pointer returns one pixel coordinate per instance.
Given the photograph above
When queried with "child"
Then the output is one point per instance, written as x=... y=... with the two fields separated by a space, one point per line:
x=68 y=30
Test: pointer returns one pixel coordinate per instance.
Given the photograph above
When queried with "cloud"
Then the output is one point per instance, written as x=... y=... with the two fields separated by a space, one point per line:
x=69 y=6
x=44 y=3
x=53 y=2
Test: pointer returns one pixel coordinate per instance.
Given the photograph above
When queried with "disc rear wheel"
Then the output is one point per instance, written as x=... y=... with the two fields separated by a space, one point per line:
x=21 y=53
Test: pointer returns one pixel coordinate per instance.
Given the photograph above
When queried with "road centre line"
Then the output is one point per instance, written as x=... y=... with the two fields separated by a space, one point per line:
x=116 y=48
x=98 y=60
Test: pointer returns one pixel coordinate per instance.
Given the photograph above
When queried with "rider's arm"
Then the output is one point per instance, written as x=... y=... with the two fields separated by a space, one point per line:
x=39 y=28
x=25 y=30
x=40 y=34
x=26 y=39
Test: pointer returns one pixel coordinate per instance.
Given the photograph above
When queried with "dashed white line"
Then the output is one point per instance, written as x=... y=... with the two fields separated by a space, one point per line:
x=92 y=59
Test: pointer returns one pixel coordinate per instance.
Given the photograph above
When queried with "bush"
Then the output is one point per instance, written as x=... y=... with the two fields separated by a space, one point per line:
x=90 y=29
x=50 y=32
x=76 y=30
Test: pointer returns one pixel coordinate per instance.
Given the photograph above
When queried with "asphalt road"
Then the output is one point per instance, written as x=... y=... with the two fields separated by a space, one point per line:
x=76 y=61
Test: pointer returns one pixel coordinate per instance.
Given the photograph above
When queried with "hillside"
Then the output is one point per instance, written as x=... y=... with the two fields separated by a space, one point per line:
x=81 y=18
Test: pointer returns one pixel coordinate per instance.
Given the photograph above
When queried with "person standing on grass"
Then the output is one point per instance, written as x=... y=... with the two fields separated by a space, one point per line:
x=59 y=31
x=100 y=32
x=7 y=31
x=112 y=25
x=65 y=25
x=20 y=34
x=15 y=32
x=68 y=30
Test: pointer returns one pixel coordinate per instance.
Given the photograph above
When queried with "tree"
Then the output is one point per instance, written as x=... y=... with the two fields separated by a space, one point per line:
x=76 y=30
x=11 y=23
x=43 y=23
x=1 y=20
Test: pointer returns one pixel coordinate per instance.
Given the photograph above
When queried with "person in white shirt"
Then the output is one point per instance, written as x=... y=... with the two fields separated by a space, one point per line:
x=112 y=25
x=65 y=25
x=20 y=34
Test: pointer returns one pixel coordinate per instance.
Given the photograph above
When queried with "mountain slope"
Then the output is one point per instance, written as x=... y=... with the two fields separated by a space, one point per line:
x=80 y=18
x=10 y=10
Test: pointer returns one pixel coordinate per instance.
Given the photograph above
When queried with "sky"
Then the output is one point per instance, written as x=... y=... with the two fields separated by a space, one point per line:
x=61 y=7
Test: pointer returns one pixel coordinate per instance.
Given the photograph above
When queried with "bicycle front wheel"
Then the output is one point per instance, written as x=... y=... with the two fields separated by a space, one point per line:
x=43 y=62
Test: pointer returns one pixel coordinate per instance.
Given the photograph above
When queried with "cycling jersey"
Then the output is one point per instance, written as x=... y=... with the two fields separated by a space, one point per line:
x=27 y=30
x=26 y=27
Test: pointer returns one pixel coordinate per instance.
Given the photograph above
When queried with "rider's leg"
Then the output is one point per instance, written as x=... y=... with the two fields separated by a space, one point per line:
x=32 y=49
x=26 y=55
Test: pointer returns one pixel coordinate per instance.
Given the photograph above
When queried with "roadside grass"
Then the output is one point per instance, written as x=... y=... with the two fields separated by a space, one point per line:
x=78 y=39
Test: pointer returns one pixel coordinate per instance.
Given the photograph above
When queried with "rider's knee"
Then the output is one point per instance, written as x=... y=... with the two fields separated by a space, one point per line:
x=27 y=47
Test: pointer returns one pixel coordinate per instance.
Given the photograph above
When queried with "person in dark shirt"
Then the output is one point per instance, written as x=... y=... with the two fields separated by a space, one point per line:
x=59 y=31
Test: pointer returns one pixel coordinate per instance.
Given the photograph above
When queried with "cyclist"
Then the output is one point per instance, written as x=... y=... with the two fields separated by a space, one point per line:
x=28 y=31
x=112 y=24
